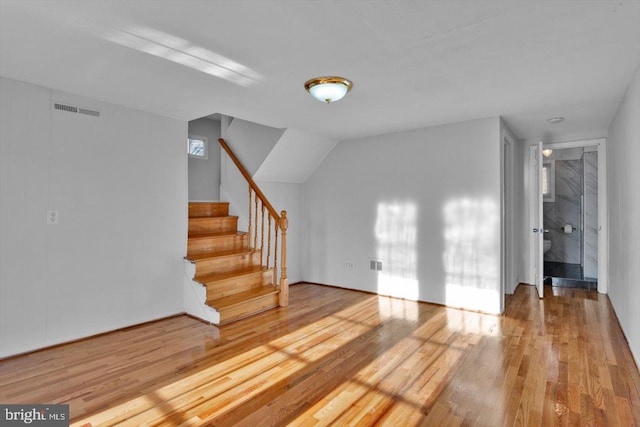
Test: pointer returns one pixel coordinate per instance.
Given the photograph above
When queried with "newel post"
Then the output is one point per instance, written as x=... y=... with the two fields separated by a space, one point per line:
x=284 y=282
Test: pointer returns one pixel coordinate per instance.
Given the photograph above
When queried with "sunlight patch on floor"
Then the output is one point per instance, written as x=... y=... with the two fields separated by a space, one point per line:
x=398 y=309
x=282 y=357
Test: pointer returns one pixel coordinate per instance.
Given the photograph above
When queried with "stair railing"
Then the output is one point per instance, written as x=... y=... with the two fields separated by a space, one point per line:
x=275 y=228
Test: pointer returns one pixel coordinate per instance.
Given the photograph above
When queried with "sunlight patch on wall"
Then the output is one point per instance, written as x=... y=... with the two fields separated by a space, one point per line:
x=471 y=254
x=183 y=52
x=396 y=236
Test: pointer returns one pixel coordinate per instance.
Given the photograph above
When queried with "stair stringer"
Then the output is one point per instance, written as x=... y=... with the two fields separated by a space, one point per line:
x=195 y=297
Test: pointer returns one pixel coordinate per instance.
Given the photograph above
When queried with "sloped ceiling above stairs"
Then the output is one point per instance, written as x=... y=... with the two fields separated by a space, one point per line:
x=294 y=157
x=251 y=142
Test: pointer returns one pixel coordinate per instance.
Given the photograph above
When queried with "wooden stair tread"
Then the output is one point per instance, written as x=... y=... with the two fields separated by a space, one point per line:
x=208 y=203
x=214 y=277
x=219 y=254
x=242 y=297
x=208 y=209
x=218 y=234
x=204 y=218
x=236 y=283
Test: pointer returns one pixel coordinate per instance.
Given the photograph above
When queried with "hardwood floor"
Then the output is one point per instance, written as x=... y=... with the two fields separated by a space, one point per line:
x=340 y=357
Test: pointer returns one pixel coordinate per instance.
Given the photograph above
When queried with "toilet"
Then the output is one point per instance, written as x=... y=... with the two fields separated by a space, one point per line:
x=546 y=245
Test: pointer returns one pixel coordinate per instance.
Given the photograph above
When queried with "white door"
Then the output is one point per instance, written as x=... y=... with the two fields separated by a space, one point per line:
x=536 y=223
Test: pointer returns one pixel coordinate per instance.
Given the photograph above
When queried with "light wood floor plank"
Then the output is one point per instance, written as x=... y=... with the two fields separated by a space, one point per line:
x=340 y=357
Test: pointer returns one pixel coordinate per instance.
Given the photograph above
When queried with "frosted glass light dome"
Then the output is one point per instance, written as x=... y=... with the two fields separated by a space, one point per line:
x=328 y=89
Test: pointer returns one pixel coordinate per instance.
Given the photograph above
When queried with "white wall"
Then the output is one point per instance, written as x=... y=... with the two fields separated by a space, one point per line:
x=204 y=174
x=426 y=203
x=115 y=258
x=252 y=143
x=623 y=160
x=288 y=196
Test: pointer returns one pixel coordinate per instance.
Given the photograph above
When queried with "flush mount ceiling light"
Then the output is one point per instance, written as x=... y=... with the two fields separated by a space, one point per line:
x=555 y=120
x=547 y=152
x=328 y=89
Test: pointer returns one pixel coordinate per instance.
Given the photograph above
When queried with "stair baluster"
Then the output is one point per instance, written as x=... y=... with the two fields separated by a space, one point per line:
x=250 y=200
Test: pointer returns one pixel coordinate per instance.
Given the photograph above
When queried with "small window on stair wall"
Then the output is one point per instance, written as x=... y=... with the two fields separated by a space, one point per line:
x=198 y=147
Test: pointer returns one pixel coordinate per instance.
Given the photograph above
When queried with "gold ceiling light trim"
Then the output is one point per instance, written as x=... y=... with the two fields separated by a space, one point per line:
x=328 y=89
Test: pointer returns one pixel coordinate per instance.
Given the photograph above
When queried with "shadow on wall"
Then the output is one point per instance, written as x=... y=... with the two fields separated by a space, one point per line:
x=471 y=264
x=396 y=236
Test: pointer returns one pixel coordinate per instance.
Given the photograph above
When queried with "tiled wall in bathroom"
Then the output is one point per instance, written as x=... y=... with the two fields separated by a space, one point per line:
x=591 y=214
x=565 y=247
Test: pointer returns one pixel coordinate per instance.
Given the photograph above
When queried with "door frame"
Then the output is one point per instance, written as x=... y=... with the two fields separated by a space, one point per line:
x=603 y=207
x=536 y=219
x=507 y=202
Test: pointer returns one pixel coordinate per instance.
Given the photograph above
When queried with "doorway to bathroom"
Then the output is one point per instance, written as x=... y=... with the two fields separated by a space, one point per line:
x=570 y=216
x=573 y=208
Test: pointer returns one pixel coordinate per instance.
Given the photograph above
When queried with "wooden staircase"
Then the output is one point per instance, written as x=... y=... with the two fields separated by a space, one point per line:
x=237 y=283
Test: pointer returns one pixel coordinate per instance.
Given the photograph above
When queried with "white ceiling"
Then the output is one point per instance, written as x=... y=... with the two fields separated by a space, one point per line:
x=413 y=63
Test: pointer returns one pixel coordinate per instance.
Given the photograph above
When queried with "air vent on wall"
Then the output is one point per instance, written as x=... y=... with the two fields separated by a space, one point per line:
x=74 y=109
x=93 y=113
x=63 y=107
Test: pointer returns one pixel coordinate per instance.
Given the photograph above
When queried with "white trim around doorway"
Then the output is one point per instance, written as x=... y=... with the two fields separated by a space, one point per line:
x=603 y=207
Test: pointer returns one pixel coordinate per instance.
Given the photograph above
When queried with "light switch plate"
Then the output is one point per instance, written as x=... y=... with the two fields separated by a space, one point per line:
x=53 y=217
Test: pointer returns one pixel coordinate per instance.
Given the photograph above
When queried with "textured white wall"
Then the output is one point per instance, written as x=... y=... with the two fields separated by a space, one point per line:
x=623 y=160
x=119 y=183
x=426 y=203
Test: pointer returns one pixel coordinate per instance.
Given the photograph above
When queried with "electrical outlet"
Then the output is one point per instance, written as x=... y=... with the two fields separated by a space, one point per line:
x=53 y=217
x=348 y=265
x=378 y=265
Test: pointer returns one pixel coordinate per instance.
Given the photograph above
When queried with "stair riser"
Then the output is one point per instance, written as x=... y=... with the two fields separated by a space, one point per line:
x=228 y=263
x=248 y=308
x=212 y=225
x=208 y=209
x=224 y=288
x=218 y=243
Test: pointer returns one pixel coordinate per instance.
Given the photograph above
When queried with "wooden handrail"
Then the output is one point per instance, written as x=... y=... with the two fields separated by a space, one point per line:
x=281 y=222
x=250 y=180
